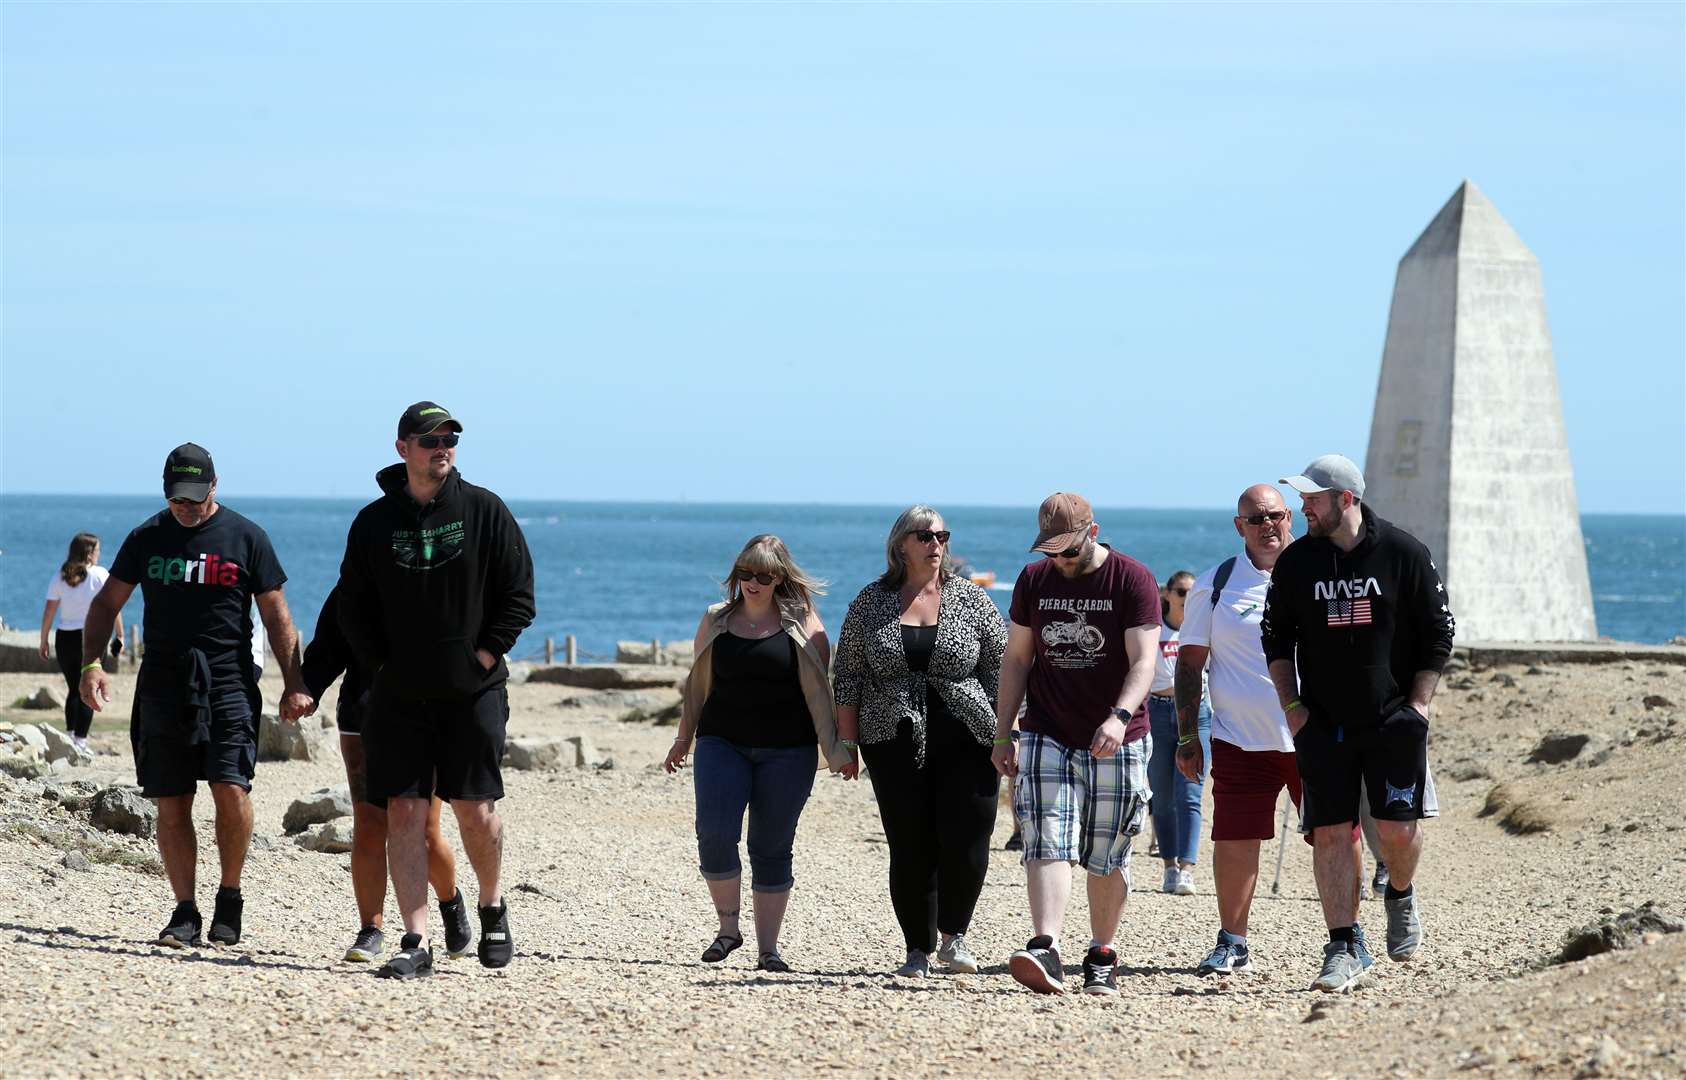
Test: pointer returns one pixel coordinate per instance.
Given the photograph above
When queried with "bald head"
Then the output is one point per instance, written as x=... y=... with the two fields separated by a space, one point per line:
x=1258 y=499
x=1264 y=523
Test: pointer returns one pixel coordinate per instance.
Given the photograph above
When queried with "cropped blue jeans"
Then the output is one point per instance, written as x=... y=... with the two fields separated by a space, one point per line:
x=1176 y=799
x=773 y=784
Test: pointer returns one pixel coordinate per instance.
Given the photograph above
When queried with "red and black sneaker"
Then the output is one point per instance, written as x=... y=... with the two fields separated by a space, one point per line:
x=1099 y=966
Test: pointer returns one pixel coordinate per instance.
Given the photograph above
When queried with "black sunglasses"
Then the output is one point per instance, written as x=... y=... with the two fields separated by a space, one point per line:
x=744 y=575
x=1272 y=516
x=1180 y=592
x=1068 y=553
x=925 y=536
x=434 y=442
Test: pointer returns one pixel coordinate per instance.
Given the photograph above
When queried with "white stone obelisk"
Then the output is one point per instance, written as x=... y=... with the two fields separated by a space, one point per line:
x=1467 y=450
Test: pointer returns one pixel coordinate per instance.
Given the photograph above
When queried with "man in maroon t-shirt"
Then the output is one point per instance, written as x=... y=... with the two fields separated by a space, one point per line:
x=1083 y=639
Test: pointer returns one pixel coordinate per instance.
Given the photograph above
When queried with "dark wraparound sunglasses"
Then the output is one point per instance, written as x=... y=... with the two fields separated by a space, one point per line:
x=1259 y=519
x=744 y=575
x=1181 y=592
x=434 y=442
x=925 y=536
x=1068 y=553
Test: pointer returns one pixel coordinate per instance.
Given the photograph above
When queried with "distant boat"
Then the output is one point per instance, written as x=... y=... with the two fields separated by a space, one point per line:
x=982 y=578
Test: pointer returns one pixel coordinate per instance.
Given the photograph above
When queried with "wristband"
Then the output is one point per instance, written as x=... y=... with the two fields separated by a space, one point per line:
x=1003 y=742
x=89 y=666
x=1184 y=740
x=849 y=744
x=1292 y=705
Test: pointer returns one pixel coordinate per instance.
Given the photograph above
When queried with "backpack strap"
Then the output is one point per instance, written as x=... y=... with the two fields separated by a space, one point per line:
x=1221 y=578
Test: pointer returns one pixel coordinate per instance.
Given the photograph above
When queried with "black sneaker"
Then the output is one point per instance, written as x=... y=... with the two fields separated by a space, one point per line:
x=411 y=961
x=183 y=930
x=496 y=946
x=1037 y=966
x=458 y=936
x=1014 y=842
x=1098 y=965
x=225 y=917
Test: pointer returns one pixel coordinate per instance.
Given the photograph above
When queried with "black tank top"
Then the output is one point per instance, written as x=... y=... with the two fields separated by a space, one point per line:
x=941 y=726
x=756 y=698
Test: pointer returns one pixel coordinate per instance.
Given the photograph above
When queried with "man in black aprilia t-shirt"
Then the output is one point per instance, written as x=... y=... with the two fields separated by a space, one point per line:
x=1357 y=628
x=199 y=566
x=436 y=586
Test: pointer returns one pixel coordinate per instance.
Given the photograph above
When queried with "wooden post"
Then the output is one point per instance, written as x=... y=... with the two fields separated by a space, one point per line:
x=569 y=649
x=655 y=651
x=135 y=644
x=550 y=650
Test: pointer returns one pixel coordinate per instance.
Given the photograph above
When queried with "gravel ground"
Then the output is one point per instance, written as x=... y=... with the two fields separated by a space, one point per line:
x=609 y=917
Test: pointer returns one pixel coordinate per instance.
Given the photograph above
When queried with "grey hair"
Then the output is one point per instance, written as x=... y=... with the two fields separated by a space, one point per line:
x=916 y=517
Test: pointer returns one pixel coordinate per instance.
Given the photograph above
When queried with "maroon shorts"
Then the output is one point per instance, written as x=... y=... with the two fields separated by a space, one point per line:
x=1245 y=786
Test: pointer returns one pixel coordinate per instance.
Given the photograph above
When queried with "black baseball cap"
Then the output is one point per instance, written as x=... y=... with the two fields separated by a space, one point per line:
x=188 y=473
x=424 y=417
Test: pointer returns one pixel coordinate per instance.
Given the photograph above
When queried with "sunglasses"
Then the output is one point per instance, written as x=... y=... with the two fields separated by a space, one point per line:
x=434 y=442
x=1272 y=516
x=1180 y=592
x=188 y=502
x=925 y=536
x=1068 y=553
x=744 y=575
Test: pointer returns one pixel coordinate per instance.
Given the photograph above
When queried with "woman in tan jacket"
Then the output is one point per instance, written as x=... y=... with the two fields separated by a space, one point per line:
x=759 y=705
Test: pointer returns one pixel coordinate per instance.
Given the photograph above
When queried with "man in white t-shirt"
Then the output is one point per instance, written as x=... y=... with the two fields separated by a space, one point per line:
x=1252 y=750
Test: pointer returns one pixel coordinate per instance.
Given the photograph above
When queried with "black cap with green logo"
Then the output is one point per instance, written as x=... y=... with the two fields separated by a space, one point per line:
x=188 y=473
x=423 y=418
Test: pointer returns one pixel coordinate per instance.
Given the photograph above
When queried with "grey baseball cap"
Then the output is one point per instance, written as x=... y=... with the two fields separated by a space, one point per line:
x=1331 y=472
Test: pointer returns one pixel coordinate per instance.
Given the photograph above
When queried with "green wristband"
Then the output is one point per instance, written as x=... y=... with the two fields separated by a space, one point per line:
x=1184 y=740
x=1292 y=705
x=91 y=665
x=1003 y=742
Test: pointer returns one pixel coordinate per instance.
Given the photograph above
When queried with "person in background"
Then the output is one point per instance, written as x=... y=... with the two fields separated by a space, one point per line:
x=1176 y=798
x=325 y=659
x=918 y=660
x=70 y=593
x=757 y=703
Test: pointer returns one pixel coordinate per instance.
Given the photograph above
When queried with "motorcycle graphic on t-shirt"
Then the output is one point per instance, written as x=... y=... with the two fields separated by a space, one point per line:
x=1078 y=632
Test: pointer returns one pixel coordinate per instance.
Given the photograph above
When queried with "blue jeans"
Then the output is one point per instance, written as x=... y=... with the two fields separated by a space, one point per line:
x=773 y=784
x=1176 y=800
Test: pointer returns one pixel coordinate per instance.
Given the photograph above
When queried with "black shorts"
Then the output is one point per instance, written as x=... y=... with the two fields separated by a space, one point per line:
x=166 y=764
x=452 y=749
x=349 y=717
x=1390 y=759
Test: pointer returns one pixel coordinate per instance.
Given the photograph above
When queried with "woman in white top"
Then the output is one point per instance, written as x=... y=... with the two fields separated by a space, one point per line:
x=1176 y=799
x=69 y=594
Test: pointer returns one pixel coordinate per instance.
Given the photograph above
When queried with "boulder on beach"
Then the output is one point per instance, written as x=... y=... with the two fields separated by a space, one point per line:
x=331 y=837
x=532 y=753
x=48 y=697
x=294 y=740
x=322 y=805
x=123 y=809
x=1617 y=931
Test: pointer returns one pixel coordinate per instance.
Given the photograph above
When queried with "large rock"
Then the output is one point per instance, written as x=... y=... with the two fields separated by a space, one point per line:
x=293 y=740
x=60 y=747
x=585 y=754
x=1559 y=747
x=322 y=805
x=45 y=698
x=617 y=701
x=24 y=766
x=646 y=652
x=124 y=810
x=539 y=753
x=332 y=837
x=608 y=676
x=33 y=737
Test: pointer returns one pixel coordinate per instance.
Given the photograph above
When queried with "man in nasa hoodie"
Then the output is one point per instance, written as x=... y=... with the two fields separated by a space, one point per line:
x=1357 y=627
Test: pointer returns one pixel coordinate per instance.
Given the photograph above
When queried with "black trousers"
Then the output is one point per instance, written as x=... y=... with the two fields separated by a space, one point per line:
x=78 y=718
x=938 y=822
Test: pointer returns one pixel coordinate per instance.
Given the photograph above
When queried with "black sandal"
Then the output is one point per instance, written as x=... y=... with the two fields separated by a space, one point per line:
x=721 y=949
x=772 y=961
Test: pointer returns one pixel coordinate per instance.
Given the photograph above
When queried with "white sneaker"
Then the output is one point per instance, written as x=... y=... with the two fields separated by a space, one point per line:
x=1185 y=881
x=1172 y=877
x=80 y=743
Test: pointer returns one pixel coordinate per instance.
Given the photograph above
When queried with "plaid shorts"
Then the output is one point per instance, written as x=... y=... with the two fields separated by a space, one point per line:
x=1075 y=807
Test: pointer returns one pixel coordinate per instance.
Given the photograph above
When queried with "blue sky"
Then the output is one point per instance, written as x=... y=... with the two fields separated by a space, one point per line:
x=760 y=252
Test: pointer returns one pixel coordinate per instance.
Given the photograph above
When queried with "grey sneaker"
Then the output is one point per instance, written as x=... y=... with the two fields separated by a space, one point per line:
x=917 y=967
x=367 y=948
x=1341 y=969
x=957 y=957
x=1404 y=929
x=1228 y=958
x=1361 y=948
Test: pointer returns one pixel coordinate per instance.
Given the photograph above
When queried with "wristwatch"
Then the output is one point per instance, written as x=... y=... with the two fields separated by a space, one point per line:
x=1121 y=714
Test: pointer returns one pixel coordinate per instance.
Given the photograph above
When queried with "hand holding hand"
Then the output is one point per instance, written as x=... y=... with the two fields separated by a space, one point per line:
x=296 y=705
x=852 y=771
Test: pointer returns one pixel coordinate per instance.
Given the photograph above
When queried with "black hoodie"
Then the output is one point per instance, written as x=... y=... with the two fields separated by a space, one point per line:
x=1358 y=624
x=422 y=587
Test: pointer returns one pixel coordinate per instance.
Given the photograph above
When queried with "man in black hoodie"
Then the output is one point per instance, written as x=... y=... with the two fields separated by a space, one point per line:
x=436 y=586
x=1357 y=627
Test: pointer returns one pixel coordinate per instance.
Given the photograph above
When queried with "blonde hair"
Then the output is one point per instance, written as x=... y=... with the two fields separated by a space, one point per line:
x=766 y=554
x=916 y=517
x=81 y=556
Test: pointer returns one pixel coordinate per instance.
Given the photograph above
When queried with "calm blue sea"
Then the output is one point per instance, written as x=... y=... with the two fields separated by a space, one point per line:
x=636 y=571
